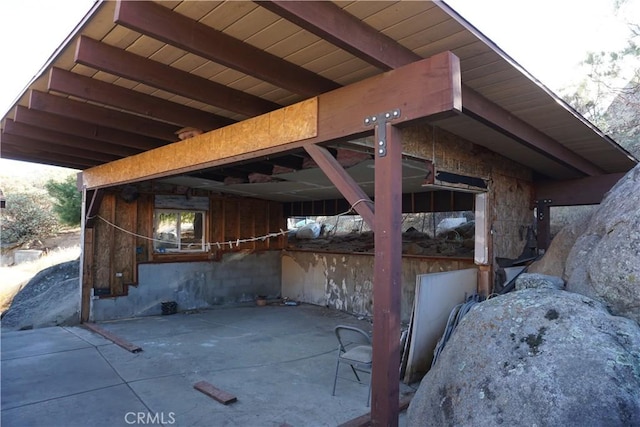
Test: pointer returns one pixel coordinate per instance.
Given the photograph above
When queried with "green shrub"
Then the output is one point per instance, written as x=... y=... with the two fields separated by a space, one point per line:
x=27 y=216
x=67 y=203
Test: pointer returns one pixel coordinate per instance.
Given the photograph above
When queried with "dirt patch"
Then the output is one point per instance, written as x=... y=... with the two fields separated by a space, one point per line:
x=63 y=247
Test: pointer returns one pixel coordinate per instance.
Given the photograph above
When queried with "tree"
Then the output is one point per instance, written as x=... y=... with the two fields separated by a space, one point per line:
x=609 y=96
x=27 y=216
x=67 y=203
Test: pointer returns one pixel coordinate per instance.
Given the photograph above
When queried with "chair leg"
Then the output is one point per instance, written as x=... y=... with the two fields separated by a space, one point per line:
x=335 y=378
x=369 y=395
x=355 y=373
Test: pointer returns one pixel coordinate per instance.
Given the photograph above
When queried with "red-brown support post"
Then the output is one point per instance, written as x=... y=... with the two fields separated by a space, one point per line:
x=543 y=216
x=387 y=272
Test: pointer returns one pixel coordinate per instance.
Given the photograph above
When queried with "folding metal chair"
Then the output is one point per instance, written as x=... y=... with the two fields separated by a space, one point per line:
x=354 y=349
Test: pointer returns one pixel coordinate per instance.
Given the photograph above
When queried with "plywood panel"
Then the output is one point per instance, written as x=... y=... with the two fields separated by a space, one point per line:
x=231 y=222
x=246 y=217
x=103 y=244
x=124 y=245
x=260 y=223
x=294 y=123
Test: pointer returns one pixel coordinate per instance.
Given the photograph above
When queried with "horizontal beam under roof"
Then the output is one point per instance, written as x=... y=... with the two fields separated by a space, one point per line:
x=108 y=117
x=140 y=103
x=427 y=88
x=87 y=130
x=163 y=24
x=64 y=139
x=112 y=60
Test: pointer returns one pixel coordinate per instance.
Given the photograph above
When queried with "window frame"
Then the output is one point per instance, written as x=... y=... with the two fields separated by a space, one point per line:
x=201 y=248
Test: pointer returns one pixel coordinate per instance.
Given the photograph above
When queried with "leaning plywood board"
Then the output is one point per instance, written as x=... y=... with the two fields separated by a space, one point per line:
x=436 y=295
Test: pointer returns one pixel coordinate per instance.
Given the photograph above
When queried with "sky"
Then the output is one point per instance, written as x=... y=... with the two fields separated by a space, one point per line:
x=548 y=38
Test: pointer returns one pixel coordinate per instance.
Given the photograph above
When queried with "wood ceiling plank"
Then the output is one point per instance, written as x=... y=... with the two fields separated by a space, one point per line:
x=127 y=99
x=161 y=23
x=102 y=116
x=116 y=61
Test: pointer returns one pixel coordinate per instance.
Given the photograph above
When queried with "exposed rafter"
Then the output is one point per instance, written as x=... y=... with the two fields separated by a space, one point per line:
x=175 y=29
x=77 y=156
x=326 y=20
x=111 y=151
x=498 y=118
x=101 y=116
x=115 y=96
x=121 y=63
x=62 y=124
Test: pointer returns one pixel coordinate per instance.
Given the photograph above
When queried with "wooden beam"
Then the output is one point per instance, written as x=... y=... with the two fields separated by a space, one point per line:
x=387 y=278
x=119 y=97
x=582 y=191
x=74 y=155
x=90 y=113
x=543 y=224
x=350 y=189
x=121 y=63
x=214 y=392
x=90 y=148
x=427 y=88
x=86 y=130
x=480 y=108
x=44 y=157
x=163 y=24
x=294 y=123
x=329 y=22
x=113 y=337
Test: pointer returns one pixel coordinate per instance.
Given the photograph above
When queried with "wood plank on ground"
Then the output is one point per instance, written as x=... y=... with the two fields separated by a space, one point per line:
x=215 y=393
x=112 y=337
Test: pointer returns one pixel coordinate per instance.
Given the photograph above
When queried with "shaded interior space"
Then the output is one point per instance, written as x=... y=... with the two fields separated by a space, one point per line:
x=278 y=361
x=201 y=128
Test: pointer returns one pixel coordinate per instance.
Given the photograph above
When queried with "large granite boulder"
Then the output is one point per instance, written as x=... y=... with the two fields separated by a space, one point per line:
x=604 y=262
x=537 y=356
x=554 y=260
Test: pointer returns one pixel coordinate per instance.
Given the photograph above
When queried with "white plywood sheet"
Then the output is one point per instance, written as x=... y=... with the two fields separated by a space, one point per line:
x=436 y=295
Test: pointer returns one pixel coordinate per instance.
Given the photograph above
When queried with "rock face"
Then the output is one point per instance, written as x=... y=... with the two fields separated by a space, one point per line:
x=554 y=260
x=536 y=356
x=604 y=262
x=51 y=298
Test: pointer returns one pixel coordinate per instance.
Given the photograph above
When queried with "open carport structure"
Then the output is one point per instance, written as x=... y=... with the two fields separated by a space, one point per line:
x=296 y=109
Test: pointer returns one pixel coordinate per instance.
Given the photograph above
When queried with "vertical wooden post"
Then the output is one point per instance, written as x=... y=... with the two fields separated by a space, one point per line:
x=543 y=217
x=387 y=277
x=86 y=258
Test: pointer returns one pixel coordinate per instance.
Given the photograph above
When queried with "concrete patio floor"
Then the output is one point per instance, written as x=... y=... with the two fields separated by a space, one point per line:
x=277 y=360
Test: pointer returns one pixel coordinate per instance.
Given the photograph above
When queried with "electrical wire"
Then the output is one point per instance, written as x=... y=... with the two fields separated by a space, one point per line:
x=230 y=243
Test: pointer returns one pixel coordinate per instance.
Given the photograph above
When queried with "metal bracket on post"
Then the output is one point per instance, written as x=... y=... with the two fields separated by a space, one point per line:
x=380 y=120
